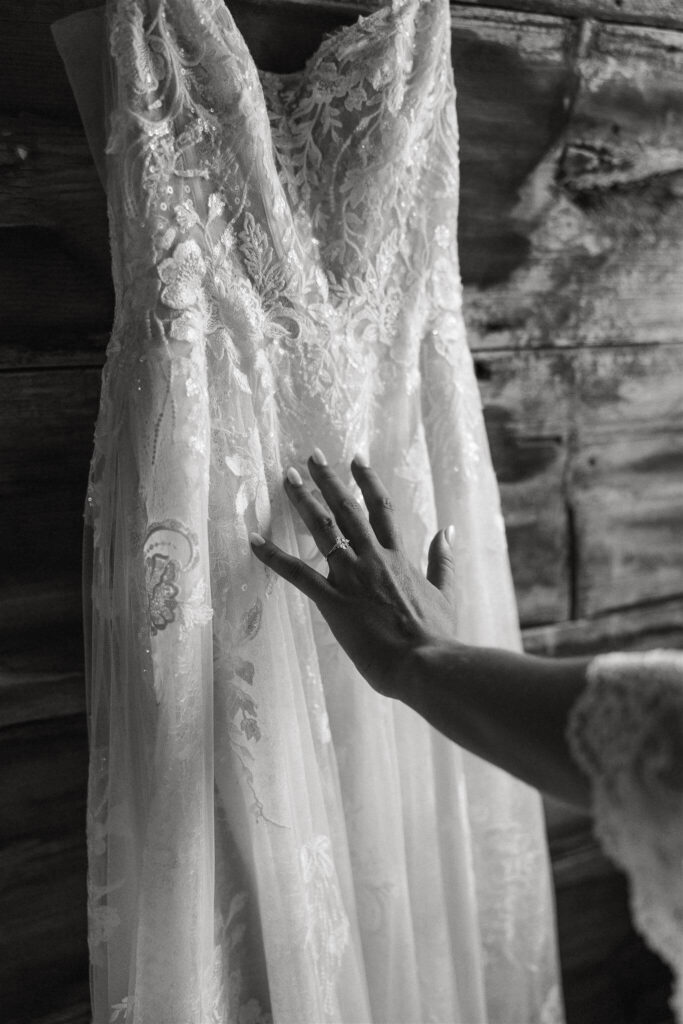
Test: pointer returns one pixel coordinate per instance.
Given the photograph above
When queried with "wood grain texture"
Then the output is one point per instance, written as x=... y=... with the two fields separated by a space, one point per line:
x=626 y=486
x=587 y=445
x=43 y=954
x=527 y=400
x=48 y=181
x=49 y=285
x=46 y=427
x=660 y=13
x=632 y=629
x=46 y=424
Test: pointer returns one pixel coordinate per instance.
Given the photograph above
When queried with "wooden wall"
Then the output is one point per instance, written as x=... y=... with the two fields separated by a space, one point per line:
x=571 y=233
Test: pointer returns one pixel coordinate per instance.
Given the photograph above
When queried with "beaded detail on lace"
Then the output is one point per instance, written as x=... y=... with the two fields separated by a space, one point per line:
x=626 y=733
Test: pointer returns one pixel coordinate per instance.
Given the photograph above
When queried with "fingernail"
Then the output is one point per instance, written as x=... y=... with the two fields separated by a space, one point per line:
x=361 y=461
x=450 y=535
x=256 y=539
x=319 y=457
x=294 y=476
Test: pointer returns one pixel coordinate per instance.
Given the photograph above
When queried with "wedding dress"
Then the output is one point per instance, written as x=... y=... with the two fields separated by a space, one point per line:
x=268 y=838
x=626 y=732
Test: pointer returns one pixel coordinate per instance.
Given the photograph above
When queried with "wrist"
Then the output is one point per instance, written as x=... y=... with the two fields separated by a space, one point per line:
x=421 y=668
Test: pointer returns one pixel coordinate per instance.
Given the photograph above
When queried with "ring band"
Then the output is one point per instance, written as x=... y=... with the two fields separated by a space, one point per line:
x=341 y=544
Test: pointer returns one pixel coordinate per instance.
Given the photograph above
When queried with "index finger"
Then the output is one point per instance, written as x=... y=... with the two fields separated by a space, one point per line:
x=292 y=569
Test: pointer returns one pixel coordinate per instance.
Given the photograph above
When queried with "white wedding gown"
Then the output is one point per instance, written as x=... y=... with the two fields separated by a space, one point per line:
x=267 y=836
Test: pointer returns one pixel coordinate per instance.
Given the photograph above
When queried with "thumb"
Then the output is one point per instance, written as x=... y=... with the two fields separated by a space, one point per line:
x=440 y=562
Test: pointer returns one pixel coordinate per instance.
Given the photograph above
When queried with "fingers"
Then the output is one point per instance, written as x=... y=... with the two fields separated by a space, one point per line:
x=441 y=564
x=379 y=504
x=315 y=514
x=347 y=511
x=304 y=578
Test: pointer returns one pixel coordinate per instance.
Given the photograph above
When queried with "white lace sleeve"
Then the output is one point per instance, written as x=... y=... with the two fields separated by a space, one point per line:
x=626 y=733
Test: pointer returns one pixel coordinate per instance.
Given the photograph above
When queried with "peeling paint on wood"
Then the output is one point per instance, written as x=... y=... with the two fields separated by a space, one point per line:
x=602 y=211
x=528 y=410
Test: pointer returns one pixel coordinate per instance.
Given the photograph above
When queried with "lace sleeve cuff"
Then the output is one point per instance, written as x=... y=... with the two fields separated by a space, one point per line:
x=626 y=733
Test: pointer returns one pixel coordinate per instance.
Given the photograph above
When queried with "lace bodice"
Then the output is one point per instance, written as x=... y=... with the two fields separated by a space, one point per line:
x=266 y=834
x=626 y=732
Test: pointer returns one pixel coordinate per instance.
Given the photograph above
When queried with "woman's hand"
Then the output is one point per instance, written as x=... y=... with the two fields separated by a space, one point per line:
x=378 y=605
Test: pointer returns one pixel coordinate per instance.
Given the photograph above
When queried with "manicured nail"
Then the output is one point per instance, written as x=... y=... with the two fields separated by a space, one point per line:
x=361 y=461
x=294 y=476
x=256 y=539
x=450 y=535
x=318 y=457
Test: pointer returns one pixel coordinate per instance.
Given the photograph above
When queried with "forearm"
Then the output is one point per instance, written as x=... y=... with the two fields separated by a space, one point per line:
x=510 y=709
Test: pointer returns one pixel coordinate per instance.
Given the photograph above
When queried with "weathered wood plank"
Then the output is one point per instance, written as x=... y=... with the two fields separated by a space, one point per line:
x=49 y=181
x=32 y=610
x=46 y=421
x=634 y=629
x=527 y=408
x=659 y=13
x=29 y=697
x=628 y=503
x=588 y=449
x=42 y=866
x=52 y=348
x=46 y=426
x=48 y=285
x=602 y=211
x=76 y=1008
x=626 y=485
x=665 y=13
x=514 y=81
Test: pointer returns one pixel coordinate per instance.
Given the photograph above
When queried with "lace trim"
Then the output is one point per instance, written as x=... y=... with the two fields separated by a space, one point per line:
x=626 y=734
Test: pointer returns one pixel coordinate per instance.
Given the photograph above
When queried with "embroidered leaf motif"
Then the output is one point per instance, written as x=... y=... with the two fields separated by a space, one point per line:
x=266 y=272
x=251 y=623
x=245 y=670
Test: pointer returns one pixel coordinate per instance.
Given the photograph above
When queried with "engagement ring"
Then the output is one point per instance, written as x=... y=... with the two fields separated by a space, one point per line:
x=341 y=544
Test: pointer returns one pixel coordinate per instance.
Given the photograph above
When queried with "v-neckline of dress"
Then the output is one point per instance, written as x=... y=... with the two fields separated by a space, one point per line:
x=333 y=41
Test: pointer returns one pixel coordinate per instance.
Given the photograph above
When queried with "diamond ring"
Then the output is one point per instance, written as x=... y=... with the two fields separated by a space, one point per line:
x=341 y=544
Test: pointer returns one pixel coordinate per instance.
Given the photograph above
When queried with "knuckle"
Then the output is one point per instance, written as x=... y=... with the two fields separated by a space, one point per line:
x=384 y=504
x=328 y=524
x=348 y=504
